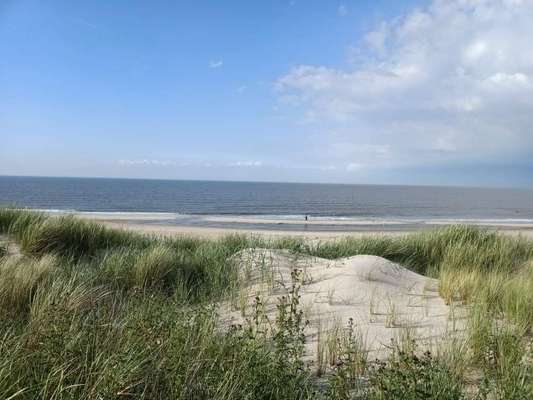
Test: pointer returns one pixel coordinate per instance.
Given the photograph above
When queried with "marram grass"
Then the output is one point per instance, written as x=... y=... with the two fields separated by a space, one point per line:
x=20 y=279
x=88 y=312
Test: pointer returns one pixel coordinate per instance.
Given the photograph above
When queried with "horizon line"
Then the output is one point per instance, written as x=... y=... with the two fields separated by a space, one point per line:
x=457 y=186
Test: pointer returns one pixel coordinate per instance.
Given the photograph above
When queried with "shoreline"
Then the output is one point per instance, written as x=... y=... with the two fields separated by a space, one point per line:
x=214 y=226
x=212 y=232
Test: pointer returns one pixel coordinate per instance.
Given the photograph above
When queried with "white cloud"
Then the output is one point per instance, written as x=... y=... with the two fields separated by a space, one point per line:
x=376 y=39
x=353 y=167
x=342 y=10
x=216 y=63
x=160 y=163
x=450 y=82
x=246 y=164
x=517 y=79
x=193 y=164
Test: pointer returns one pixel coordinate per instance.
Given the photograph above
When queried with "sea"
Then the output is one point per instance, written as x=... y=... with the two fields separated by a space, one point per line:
x=249 y=203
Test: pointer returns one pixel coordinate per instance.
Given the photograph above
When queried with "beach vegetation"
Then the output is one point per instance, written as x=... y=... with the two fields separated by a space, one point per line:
x=89 y=312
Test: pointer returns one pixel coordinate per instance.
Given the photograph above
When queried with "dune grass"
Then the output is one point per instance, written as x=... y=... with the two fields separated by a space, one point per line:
x=89 y=312
x=19 y=279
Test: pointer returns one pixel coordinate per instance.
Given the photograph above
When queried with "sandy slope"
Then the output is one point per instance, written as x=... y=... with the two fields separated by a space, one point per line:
x=385 y=300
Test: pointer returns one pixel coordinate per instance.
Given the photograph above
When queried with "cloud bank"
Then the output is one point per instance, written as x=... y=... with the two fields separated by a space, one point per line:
x=450 y=83
x=171 y=163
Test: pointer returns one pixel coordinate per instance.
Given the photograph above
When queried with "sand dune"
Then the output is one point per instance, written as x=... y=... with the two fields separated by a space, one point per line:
x=385 y=300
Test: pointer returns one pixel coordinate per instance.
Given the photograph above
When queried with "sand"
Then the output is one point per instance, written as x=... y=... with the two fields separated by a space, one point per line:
x=213 y=233
x=385 y=300
x=162 y=224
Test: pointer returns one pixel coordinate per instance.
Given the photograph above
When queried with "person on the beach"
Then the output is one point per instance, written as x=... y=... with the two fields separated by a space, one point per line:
x=306 y=217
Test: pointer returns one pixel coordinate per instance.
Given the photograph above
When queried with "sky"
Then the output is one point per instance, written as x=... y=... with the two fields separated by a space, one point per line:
x=385 y=92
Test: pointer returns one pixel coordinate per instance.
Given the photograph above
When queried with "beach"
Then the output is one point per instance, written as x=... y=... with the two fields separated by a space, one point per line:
x=313 y=211
x=164 y=224
x=271 y=200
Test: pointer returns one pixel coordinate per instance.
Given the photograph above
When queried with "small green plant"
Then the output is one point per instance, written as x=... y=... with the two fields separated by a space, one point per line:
x=408 y=376
x=287 y=376
x=507 y=362
x=259 y=325
x=350 y=364
x=289 y=338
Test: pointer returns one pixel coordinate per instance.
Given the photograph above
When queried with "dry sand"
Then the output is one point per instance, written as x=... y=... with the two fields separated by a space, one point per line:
x=212 y=232
x=160 y=224
x=385 y=300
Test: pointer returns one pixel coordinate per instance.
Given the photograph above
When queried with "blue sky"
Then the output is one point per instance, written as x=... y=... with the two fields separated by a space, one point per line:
x=419 y=92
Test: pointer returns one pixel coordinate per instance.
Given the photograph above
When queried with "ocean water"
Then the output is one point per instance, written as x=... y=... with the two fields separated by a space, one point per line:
x=268 y=200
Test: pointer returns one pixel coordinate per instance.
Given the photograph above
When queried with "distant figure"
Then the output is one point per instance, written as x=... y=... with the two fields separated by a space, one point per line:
x=306 y=217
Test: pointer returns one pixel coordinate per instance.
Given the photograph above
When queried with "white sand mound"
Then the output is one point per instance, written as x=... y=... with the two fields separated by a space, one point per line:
x=385 y=300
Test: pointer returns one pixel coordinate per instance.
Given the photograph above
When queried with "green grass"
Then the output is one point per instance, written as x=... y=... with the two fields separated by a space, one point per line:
x=429 y=252
x=89 y=312
x=19 y=279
